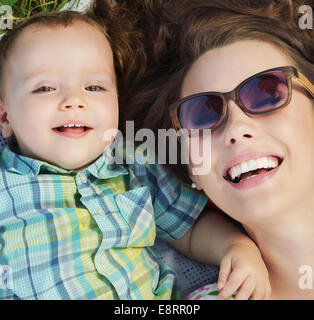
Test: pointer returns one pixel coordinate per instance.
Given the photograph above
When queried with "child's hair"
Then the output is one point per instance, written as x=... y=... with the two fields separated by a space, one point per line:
x=125 y=41
x=180 y=31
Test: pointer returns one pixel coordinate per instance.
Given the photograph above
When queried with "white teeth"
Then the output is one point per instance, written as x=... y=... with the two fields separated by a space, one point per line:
x=251 y=165
x=259 y=163
x=265 y=162
x=245 y=167
x=73 y=125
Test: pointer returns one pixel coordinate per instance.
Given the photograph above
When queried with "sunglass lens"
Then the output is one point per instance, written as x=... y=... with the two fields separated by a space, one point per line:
x=265 y=92
x=201 y=112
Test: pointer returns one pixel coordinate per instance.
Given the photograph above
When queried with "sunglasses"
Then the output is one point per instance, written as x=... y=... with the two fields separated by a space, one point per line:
x=261 y=93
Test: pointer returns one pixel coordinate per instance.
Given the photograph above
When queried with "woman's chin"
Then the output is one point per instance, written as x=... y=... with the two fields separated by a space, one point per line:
x=252 y=209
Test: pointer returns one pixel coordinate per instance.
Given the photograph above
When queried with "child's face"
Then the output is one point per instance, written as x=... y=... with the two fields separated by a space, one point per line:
x=288 y=133
x=56 y=76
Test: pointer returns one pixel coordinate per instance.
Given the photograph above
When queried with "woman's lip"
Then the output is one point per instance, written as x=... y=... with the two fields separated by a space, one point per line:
x=255 y=181
x=248 y=156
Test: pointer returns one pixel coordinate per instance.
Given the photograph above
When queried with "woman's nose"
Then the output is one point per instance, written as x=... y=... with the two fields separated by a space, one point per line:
x=239 y=127
x=72 y=100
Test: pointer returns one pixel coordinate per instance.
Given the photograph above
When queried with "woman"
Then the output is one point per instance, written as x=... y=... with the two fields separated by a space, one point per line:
x=262 y=130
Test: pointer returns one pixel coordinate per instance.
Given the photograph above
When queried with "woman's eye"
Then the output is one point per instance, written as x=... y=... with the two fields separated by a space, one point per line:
x=95 y=88
x=43 y=89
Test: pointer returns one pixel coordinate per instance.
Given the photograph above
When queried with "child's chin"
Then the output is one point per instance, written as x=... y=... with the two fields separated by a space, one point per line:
x=77 y=160
x=76 y=166
x=72 y=165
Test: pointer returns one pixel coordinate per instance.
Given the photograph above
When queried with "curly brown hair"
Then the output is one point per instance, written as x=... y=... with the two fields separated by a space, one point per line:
x=180 y=31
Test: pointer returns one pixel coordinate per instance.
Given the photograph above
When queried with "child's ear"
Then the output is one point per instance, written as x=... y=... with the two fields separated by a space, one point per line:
x=5 y=126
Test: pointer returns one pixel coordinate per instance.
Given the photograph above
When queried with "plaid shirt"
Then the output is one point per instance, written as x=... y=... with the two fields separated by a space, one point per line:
x=87 y=234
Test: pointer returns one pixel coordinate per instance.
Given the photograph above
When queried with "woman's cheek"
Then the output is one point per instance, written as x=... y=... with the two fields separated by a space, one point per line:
x=199 y=149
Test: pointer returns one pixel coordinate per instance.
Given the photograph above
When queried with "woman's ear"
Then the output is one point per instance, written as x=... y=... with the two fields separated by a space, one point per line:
x=195 y=184
x=5 y=126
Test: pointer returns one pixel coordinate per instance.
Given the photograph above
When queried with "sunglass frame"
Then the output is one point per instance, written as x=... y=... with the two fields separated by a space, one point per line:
x=289 y=71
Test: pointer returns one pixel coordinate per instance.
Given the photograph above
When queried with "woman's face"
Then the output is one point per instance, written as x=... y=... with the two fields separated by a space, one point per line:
x=286 y=134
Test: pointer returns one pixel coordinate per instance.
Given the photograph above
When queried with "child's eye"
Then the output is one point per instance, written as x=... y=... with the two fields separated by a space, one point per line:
x=43 y=89
x=95 y=88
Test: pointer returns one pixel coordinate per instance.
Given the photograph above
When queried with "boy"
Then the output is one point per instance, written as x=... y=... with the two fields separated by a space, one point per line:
x=73 y=226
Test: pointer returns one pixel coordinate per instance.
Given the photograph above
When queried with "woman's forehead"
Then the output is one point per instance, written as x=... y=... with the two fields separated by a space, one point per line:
x=222 y=69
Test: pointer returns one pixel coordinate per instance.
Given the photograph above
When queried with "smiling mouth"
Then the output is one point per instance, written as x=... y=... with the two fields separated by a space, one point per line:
x=76 y=129
x=252 y=168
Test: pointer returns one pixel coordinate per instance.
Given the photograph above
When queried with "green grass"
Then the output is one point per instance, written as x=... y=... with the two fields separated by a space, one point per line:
x=24 y=8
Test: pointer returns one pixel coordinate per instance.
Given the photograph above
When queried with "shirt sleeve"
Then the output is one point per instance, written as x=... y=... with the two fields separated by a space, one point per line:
x=176 y=204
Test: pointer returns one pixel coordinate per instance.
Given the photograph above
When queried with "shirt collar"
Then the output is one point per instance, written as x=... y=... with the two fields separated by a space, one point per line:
x=103 y=168
x=108 y=165
x=18 y=163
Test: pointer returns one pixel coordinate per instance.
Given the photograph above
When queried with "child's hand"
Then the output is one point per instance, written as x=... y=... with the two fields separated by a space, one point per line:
x=243 y=269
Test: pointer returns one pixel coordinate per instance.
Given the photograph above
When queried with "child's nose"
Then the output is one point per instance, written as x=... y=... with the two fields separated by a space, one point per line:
x=73 y=100
x=239 y=127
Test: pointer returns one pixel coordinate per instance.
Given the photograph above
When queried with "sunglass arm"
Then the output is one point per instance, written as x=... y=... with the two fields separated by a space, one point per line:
x=306 y=83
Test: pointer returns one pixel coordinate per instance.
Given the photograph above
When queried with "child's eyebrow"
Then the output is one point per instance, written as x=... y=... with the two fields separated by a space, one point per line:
x=99 y=75
x=33 y=76
x=102 y=75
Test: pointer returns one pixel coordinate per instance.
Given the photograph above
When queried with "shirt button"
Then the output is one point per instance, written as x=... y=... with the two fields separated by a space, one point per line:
x=83 y=177
x=104 y=260
x=100 y=211
x=98 y=191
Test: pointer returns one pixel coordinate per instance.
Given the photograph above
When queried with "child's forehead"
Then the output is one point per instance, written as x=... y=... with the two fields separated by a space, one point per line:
x=39 y=39
x=78 y=45
x=76 y=26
